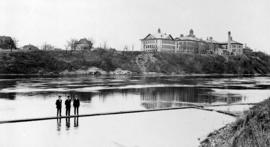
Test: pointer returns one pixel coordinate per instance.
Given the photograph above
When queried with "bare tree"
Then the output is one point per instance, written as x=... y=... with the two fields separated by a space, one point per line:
x=46 y=47
x=72 y=44
x=15 y=42
x=105 y=46
x=92 y=41
x=126 y=48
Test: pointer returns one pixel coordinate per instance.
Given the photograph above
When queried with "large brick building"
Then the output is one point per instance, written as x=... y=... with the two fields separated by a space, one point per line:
x=158 y=42
x=190 y=44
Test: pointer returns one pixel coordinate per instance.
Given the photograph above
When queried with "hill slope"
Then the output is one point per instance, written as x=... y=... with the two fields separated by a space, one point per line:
x=44 y=62
x=251 y=130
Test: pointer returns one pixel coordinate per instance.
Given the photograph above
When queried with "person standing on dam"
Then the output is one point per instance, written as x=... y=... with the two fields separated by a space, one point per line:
x=58 y=104
x=76 y=105
x=68 y=105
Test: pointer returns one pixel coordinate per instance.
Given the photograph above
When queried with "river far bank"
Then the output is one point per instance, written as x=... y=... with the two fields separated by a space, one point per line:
x=111 y=62
x=252 y=129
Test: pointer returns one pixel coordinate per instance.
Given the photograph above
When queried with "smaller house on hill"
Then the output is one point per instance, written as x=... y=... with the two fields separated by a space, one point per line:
x=247 y=50
x=84 y=44
x=30 y=47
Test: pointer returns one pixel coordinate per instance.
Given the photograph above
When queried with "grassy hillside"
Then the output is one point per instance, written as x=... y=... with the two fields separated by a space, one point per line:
x=252 y=130
x=44 y=62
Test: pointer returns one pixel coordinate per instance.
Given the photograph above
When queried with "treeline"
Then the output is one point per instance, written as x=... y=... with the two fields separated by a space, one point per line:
x=9 y=43
x=54 y=62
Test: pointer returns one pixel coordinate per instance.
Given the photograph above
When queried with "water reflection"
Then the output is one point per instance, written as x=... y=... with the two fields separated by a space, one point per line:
x=7 y=83
x=21 y=98
x=9 y=96
x=58 y=124
x=229 y=98
x=165 y=97
x=67 y=123
x=83 y=96
x=76 y=122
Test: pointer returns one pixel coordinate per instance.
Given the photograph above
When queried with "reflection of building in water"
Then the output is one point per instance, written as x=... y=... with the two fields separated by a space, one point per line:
x=123 y=93
x=171 y=96
x=228 y=98
x=164 y=97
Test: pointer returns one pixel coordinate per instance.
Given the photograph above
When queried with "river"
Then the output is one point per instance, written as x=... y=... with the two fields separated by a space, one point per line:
x=30 y=97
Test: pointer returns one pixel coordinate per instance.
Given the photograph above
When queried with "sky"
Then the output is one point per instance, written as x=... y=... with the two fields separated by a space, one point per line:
x=122 y=23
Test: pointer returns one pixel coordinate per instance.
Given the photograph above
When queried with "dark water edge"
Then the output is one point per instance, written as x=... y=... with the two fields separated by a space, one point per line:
x=53 y=75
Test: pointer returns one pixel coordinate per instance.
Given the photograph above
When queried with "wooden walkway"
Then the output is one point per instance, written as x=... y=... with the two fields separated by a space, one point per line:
x=218 y=105
x=90 y=115
x=114 y=113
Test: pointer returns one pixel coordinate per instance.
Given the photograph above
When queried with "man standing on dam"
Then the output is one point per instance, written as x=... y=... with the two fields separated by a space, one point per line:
x=68 y=105
x=76 y=105
x=58 y=104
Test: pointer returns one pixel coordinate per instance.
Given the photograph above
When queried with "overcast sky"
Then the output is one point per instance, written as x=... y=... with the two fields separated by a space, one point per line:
x=124 y=22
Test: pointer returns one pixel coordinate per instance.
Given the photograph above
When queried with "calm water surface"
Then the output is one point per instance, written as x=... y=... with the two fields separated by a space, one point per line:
x=35 y=97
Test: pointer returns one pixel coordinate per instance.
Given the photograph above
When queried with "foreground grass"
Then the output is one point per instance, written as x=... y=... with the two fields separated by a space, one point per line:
x=54 y=62
x=252 y=130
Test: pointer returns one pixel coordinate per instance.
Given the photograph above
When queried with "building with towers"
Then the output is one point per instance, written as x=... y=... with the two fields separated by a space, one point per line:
x=163 y=42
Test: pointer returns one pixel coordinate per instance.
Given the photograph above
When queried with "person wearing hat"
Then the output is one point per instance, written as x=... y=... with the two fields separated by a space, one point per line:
x=58 y=104
x=76 y=105
x=68 y=105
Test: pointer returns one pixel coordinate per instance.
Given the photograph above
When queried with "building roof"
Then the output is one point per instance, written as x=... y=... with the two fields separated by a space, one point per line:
x=189 y=37
x=235 y=42
x=30 y=47
x=83 y=41
x=232 y=42
x=158 y=35
x=211 y=40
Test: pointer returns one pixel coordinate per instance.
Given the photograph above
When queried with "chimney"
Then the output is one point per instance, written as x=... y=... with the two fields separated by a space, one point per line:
x=229 y=36
x=191 y=32
x=159 y=31
x=229 y=41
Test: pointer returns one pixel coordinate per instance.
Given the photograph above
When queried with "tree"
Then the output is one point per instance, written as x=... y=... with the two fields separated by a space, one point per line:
x=16 y=41
x=7 y=42
x=46 y=47
x=105 y=45
x=72 y=44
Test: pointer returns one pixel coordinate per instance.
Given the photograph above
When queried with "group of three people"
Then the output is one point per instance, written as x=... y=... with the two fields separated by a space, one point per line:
x=76 y=105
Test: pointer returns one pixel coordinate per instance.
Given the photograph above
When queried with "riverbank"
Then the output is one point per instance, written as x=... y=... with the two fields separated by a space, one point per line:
x=250 y=130
x=112 y=62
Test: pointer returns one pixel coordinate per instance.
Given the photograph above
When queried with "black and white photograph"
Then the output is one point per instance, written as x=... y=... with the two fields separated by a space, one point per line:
x=134 y=73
